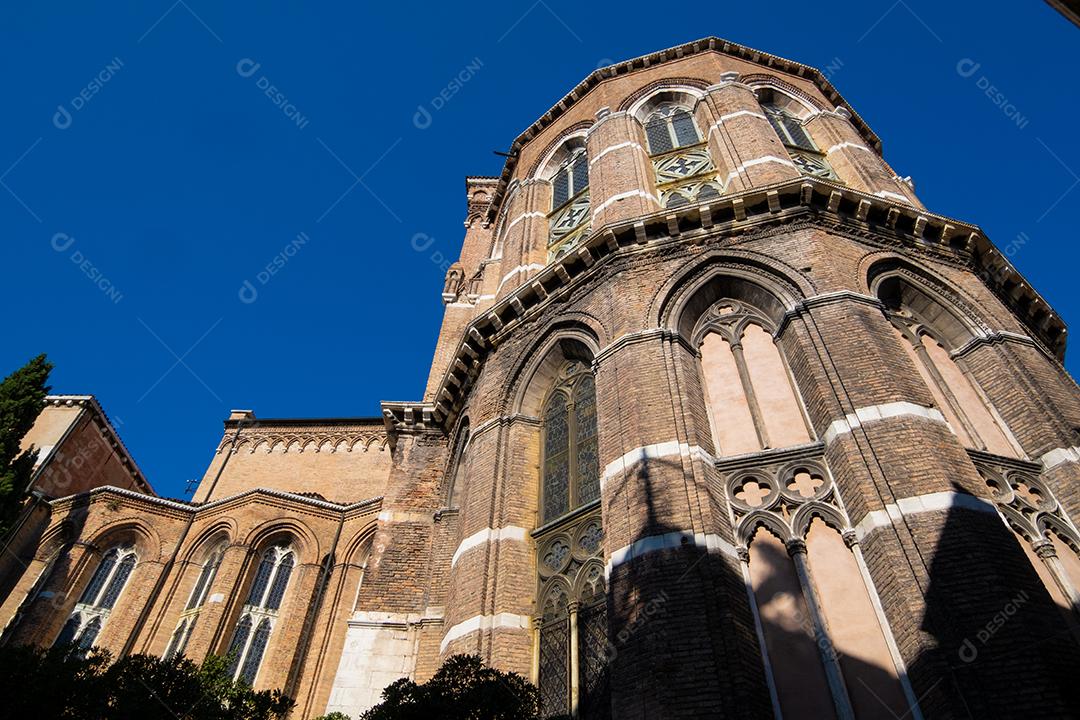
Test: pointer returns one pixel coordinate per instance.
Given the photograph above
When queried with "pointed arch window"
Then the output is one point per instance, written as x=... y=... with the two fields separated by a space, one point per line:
x=260 y=613
x=685 y=173
x=571 y=216
x=804 y=153
x=98 y=599
x=571 y=470
x=571 y=626
x=186 y=625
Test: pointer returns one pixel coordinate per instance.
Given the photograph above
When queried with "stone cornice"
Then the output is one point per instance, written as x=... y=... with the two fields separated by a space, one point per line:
x=184 y=509
x=709 y=44
x=408 y=417
x=814 y=201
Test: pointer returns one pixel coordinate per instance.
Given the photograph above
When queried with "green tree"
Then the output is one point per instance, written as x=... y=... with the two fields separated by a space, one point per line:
x=22 y=395
x=60 y=683
x=462 y=689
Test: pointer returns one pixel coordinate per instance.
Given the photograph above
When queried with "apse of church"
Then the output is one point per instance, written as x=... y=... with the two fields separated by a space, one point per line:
x=721 y=421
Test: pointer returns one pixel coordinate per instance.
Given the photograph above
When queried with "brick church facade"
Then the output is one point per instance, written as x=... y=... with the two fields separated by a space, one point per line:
x=721 y=422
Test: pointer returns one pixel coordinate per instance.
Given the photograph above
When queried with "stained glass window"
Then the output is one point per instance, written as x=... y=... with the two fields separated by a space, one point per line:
x=89 y=635
x=592 y=643
x=71 y=627
x=556 y=458
x=116 y=584
x=255 y=652
x=262 y=577
x=570 y=551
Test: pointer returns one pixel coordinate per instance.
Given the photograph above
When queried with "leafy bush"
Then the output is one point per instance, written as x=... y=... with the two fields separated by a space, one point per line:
x=60 y=683
x=462 y=689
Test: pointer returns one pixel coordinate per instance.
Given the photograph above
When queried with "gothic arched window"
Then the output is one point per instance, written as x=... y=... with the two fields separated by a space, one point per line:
x=572 y=619
x=571 y=215
x=260 y=612
x=571 y=470
x=684 y=170
x=752 y=401
x=186 y=625
x=98 y=599
x=669 y=127
x=804 y=153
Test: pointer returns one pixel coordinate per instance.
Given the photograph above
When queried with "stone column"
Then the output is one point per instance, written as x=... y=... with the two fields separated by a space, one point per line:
x=742 y=143
x=859 y=166
x=622 y=184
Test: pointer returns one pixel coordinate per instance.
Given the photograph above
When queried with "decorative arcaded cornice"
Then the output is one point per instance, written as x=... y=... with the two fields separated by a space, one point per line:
x=329 y=435
x=709 y=44
x=825 y=203
x=99 y=418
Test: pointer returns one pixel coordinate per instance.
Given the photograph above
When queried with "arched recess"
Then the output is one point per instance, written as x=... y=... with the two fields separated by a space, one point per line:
x=931 y=329
x=788 y=111
x=121 y=552
x=198 y=572
x=559 y=390
x=268 y=594
x=456 y=468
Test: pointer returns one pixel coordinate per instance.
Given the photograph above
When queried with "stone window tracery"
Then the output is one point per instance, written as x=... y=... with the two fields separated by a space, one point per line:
x=260 y=613
x=752 y=401
x=572 y=604
x=804 y=153
x=98 y=599
x=186 y=625
x=1049 y=538
x=571 y=217
x=813 y=607
x=685 y=173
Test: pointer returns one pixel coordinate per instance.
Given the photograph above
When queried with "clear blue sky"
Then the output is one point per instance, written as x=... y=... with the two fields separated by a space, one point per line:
x=135 y=151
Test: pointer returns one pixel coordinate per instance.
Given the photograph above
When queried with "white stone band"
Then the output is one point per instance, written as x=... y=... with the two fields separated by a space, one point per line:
x=864 y=415
x=483 y=622
x=669 y=541
x=1057 y=456
x=932 y=502
x=612 y=148
x=486 y=536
